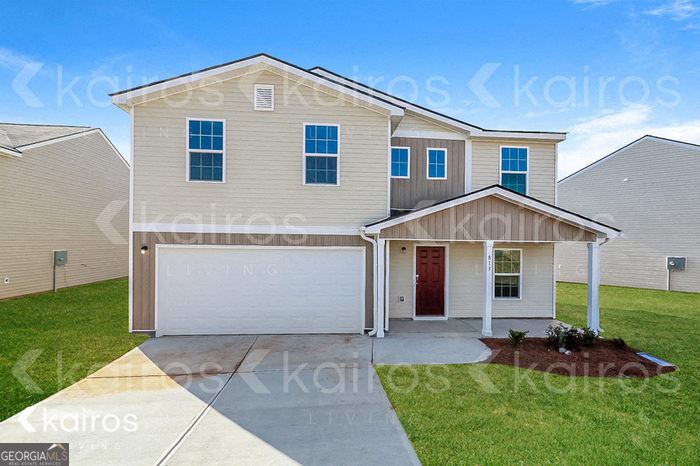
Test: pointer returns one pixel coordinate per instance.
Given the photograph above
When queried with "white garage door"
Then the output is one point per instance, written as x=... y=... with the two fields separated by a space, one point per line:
x=240 y=289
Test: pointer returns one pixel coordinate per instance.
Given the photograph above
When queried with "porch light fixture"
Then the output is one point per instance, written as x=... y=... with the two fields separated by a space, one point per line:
x=403 y=249
x=144 y=250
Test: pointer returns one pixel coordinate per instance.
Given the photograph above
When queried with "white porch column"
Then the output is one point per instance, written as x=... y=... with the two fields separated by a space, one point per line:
x=387 y=274
x=488 y=288
x=593 y=284
x=381 y=283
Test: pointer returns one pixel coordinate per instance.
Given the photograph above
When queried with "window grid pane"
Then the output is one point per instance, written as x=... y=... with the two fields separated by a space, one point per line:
x=507 y=273
x=436 y=164
x=514 y=181
x=513 y=159
x=321 y=170
x=321 y=140
x=399 y=162
x=206 y=166
x=206 y=135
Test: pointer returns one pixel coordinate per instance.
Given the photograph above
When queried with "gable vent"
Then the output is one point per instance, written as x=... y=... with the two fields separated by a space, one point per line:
x=264 y=97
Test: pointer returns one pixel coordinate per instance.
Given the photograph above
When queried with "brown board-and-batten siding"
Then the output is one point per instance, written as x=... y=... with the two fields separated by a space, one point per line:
x=489 y=218
x=415 y=191
x=144 y=277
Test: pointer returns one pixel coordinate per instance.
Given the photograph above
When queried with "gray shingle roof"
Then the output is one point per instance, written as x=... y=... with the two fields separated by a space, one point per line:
x=13 y=136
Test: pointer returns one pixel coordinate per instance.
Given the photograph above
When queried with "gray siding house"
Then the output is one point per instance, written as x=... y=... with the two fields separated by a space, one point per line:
x=62 y=188
x=649 y=189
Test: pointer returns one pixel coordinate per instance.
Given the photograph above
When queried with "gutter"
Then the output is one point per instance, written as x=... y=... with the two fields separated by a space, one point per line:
x=375 y=278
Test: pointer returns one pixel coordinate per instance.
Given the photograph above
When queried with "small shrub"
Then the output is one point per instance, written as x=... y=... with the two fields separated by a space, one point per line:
x=564 y=337
x=556 y=336
x=619 y=343
x=589 y=337
x=516 y=338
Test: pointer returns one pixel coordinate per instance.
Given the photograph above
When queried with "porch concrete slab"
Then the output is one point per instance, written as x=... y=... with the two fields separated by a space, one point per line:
x=116 y=420
x=431 y=326
x=181 y=355
x=424 y=348
x=275 y=352
x=500 y=327
x=322 y=416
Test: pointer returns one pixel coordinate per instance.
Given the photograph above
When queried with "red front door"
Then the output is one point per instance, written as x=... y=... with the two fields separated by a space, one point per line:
x=430 y=281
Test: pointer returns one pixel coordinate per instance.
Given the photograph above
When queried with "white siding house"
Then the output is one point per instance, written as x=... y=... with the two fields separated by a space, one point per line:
x=649 y=189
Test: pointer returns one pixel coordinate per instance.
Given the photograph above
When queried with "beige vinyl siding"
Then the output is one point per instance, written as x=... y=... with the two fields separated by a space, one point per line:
x=658 y=210
x=466 y=281
x=486 y=159
x=419 y=191
x=413 y=123
x=52 y=197
x=488 y=218
x=264 y=158
x=144 y=276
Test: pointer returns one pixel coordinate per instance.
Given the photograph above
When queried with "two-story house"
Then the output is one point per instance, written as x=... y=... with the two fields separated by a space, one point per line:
x=267 y=198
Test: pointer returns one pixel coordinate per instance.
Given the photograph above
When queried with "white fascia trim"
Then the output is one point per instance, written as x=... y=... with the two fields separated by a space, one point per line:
x=628 y=146
x=473 y=130
x=407 y=133
x=244 y=229
x=122 y=99
x=504 y=194
x=9 y=152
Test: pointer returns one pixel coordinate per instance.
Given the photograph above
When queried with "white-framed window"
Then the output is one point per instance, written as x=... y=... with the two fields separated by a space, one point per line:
x=321 y=154
x=514 y=168
x=437 y=164
x=507 y=273
x=206 y=150
x=400 y=162
x=265 y=97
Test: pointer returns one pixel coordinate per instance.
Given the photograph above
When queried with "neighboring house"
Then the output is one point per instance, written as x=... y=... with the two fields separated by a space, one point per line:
x=63 y=188
x=649 y=189
x=268 y=198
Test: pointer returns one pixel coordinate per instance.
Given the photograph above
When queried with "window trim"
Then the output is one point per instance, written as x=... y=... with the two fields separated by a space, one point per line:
x=408 y=176
x=427 y=163
x=526 y=172
x=305 y=155
x=188 y=150
x=520 y=275
x=271 y=87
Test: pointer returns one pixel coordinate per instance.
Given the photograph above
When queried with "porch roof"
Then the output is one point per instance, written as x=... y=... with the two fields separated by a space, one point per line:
x=493 y=214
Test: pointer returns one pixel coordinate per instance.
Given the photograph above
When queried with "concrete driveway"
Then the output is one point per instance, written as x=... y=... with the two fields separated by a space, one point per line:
x=226 y=400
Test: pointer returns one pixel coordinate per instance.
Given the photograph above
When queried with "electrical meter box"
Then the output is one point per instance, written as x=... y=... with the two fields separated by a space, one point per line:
x=60 y=257
x=675 y=263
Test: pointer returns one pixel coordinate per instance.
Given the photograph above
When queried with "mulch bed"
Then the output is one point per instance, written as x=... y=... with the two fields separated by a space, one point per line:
x=603 y=360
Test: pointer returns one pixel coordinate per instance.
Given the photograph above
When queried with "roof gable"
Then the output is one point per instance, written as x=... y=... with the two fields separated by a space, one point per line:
x=507 y=204
x=232 y=70
x=621 y=150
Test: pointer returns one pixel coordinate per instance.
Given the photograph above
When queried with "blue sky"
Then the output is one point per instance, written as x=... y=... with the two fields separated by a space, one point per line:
x=471 y=60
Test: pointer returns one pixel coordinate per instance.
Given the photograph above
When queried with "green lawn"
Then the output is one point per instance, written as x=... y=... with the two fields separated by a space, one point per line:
x=558 y=420
x=78 y=330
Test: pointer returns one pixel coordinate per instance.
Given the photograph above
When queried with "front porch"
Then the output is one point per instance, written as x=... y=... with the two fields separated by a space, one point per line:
x=480 y=258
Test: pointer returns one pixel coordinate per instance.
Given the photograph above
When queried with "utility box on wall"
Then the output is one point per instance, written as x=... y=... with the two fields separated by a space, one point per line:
x=60 y=257
x=675 y=263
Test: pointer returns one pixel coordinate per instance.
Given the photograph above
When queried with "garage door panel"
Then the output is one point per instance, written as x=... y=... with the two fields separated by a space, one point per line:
x=232 y=290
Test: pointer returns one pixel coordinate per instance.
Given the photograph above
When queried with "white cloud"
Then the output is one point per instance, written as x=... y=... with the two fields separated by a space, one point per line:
x=677 y=10
x=13 y=60
x=591 y=140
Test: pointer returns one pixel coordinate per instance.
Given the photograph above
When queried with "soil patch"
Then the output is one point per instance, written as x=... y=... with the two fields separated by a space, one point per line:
x=603 y=360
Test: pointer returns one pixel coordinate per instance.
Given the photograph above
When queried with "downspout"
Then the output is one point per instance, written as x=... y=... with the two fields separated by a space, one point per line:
x=375 y=267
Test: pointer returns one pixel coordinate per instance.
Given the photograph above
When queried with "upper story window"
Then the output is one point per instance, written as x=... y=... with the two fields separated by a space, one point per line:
x=507 y=273
x=206 y=150
x=321 y=152
x=437 y=164
x=400 y=162
x=514 y=173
